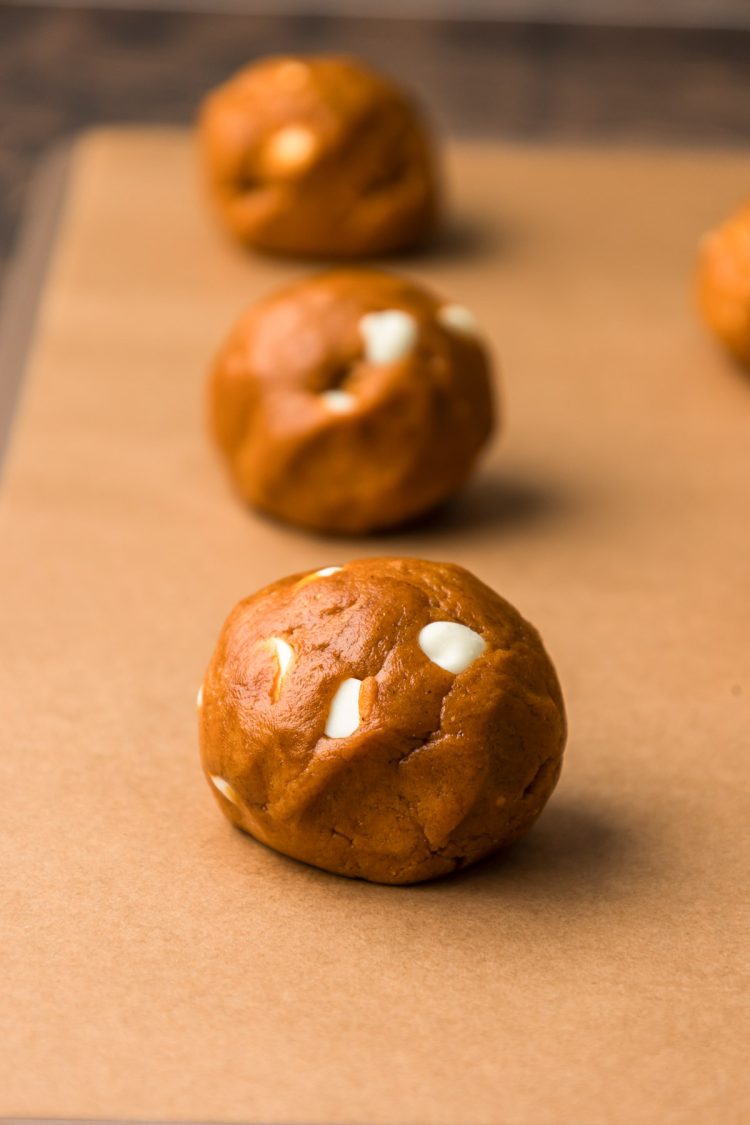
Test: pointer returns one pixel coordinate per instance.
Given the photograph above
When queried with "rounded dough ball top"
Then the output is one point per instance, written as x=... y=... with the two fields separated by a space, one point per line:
x=347 y=403
x=318 y=157
x=724 y=283
x=340 y=729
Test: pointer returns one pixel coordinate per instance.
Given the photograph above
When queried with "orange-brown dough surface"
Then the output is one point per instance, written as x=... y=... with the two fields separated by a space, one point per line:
x=351 y=401
x=317 y=156
x=724 y=283
x=391 y=719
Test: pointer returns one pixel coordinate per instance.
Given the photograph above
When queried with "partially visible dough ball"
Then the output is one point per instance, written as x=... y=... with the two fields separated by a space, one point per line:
x=724 y=283
x=318 y=157
x=351 y=401
x=391 y=719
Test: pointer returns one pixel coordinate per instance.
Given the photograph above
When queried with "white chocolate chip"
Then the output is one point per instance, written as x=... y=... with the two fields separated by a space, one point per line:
x=456 y=318
x=388 y=336
x=199 y=700
x=290 y=149
x=450 y=645
x=343 y=717
x=224 y=788
x=326 y=572
x=340 y=402
x=284 y=653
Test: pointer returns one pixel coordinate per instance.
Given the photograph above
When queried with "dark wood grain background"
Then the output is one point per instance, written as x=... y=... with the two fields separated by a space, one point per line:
x=64 y=69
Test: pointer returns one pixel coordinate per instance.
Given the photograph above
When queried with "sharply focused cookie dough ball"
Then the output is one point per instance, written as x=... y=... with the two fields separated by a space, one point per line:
x=724 y=283
x=318 y=156
x=391 y=719
x=351 y=401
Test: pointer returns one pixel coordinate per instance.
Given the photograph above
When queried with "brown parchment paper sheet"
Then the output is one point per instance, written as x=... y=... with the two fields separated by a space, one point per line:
x=159 y=964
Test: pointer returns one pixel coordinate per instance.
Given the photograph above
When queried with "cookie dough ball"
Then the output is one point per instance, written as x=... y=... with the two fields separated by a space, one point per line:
x=318 y=156
x=724 y=283
x=351 y=401
x=391 y=719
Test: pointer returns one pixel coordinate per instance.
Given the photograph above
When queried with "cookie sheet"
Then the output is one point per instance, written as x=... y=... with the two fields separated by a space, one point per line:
x=158 y=964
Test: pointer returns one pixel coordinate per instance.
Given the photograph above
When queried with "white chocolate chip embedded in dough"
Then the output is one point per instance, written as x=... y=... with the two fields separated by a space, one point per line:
x=199 y=700
x=284 y=653
x=343 y=717
x=450 y=645
x=388 y=336
x=224 y=788
x=325 y=572
x=290 y=149
x=456 y=318
x=340 y=402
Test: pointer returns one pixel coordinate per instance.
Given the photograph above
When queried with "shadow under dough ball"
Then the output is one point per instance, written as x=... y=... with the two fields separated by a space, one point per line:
x=724 y=283
x=351 y=401
x=318 y=157
x=391 y=719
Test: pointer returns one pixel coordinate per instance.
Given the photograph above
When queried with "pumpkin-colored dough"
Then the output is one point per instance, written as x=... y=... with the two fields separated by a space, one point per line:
x=724 y=283
x=317 y=157
x=322 y=427
x=430 y=769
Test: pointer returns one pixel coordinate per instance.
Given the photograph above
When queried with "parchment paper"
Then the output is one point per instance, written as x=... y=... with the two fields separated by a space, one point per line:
x=158 y=964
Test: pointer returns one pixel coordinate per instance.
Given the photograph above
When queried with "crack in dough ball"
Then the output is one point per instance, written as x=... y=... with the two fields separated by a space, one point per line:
x=419 y=727
x=724 y=283
x=343 y=403
x=318 y=157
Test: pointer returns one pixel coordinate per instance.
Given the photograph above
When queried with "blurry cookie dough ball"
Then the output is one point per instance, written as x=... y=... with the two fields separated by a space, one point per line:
x=391 y=719
x=724 y=283
x=351 y=401
x=318 y=157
